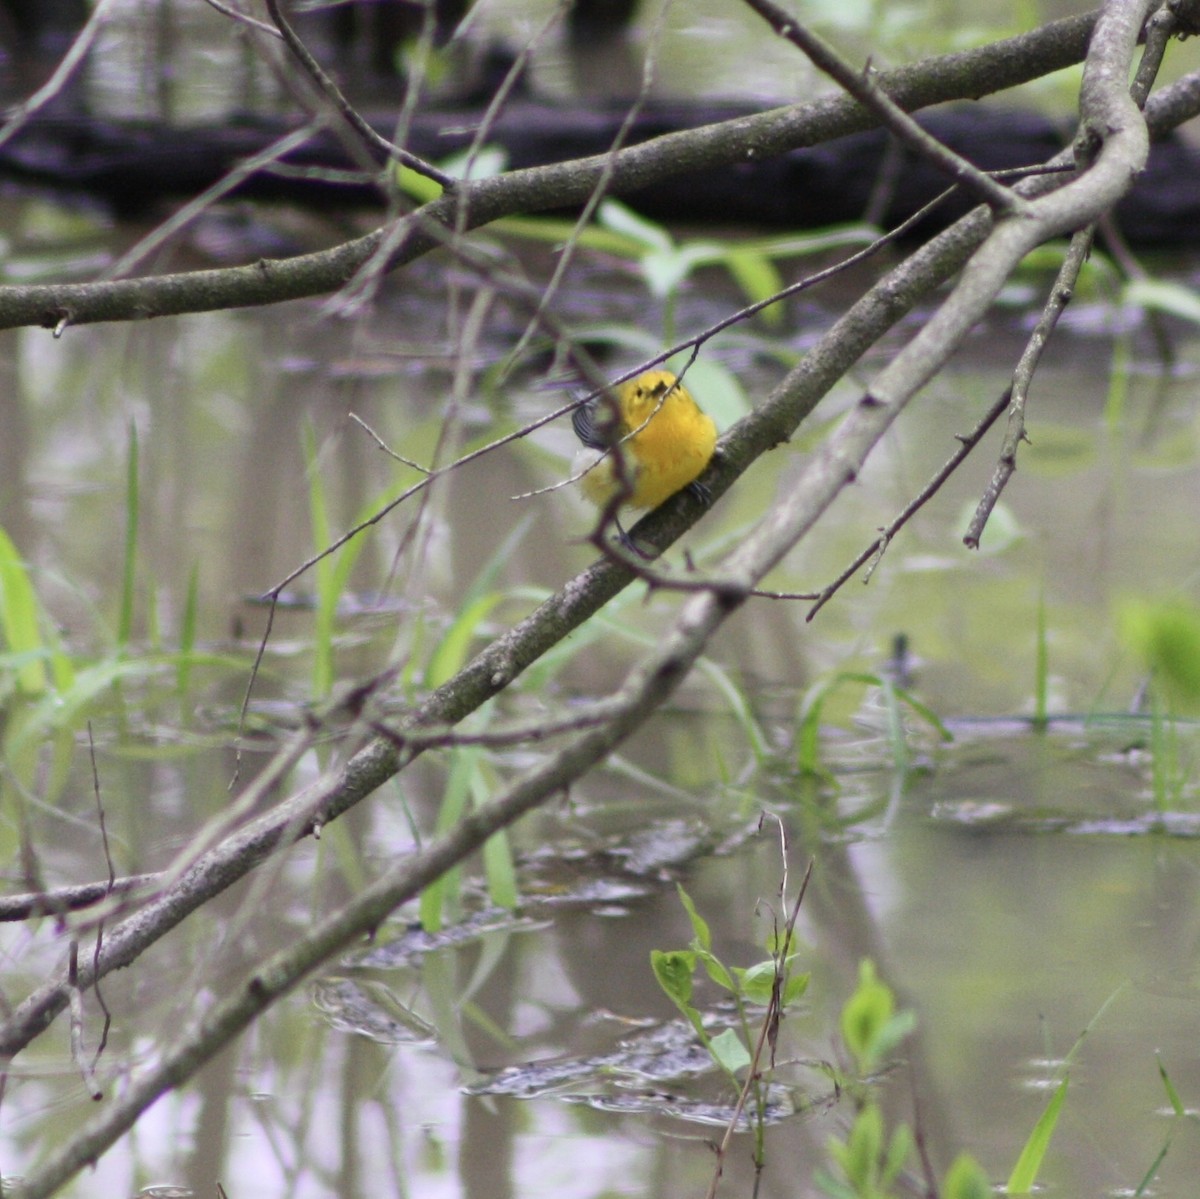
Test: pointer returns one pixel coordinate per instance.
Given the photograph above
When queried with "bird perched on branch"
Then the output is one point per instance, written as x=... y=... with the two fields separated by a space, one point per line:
x=644 y=442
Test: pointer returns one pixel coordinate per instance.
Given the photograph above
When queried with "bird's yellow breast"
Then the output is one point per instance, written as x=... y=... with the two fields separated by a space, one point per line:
x=670 y=441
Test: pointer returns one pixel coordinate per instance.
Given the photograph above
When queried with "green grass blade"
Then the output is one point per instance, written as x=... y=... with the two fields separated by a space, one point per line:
x=1155 y=1165
x=1025 y=1172
x=318 y=515
x=1168 y=1086
x=187 y=631
x=19 y=621
x=451 y=651
x=1041 y=686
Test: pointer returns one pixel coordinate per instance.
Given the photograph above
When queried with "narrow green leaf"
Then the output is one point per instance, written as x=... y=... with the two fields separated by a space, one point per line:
x=1177 y=299
x=19 y=619
x=499 y=871
x=187 y=631
x=1168 y=1086
x=699 y=926
x=758 y=278
x=453 y=648
x=1147 y=1178
x=740 y=706
x=498 y=868
x=1041 y=682
x=422 y=189
x=1025 y=1172
x=442 y=895
x=717 y=971
x=318 y=512
x=808 y=735
x=614 y=215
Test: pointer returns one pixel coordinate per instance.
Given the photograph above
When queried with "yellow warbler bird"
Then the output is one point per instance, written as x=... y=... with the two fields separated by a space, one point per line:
x=663 y=438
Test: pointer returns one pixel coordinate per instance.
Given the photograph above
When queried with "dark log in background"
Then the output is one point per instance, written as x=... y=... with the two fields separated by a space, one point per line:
x=135 y=167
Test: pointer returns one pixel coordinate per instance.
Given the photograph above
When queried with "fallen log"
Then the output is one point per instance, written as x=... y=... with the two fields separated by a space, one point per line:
x=136 y=166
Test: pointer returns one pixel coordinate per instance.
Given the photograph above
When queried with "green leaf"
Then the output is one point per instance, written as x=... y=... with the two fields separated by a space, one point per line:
x=866 y=1015
x=618 y=217
x=794 y=988
x=187 y=631
x=758 y=278
x=484 y=163
x=1176 y=299
x=893 y=1032
x=499 y=871
x=716 y=970
x=966 y=1180
x=1167 y=636
x=1025 y=1172
x=19 y=618
x=420 y=187
x=864 y=1148
x=757 y=982
x=1172 y=1094
x=674 y=969
x=728 y=1051
x=443 y=892
x=898 y=1151
x=700 y=927
x=452 y=650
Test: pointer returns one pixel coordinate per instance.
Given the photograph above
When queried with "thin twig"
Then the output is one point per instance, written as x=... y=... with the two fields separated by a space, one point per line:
x=112 y=878
x=865 y=88
x=567 y=257
x=244 y=19
x=383 y=445
x=874 y=551
x=361 y=288
x=15 y=118
x=436 y=737
x=333 y=94
x=766 y=1037
x=112 y=874
x=844 y=264
x=75 y=1004
x=1060 y=297
x=196 y=206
